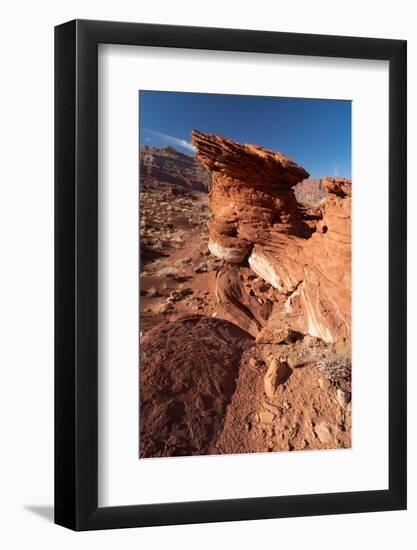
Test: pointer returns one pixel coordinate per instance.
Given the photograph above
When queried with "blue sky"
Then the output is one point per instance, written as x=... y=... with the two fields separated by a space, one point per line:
x=316 y=133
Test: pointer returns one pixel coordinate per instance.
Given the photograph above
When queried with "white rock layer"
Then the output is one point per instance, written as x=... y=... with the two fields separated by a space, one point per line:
x=233 y=255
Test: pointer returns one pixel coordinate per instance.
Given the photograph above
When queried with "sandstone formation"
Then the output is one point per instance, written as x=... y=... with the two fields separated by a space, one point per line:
x=166 y=165
x=304 y=254
x=188 y=373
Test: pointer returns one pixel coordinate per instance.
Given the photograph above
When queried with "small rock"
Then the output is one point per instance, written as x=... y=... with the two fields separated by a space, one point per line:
x=276 y=335
x=201 y=268
x=152 y=292
x=343 y=397
x=256 y=363
x=183 y=261
x=311 y=340
x=272 y=408
x=276 y=374
x=323 y=432
x=294 y=362
x=164 y=308
x=266 y=417
x=324 y=383
x=180 y=294
x=212 y=265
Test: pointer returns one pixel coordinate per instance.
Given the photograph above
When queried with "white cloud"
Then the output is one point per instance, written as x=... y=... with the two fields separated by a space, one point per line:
x=173 y=140
x=337 y=170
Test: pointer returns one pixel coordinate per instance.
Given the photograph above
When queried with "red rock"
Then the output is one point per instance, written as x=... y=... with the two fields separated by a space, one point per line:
x=188 y=372
x=276 y=335
x=234 y=303
x=305 y=255
x=277 y=374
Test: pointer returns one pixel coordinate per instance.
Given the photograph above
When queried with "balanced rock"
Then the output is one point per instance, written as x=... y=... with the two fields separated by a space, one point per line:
x=304 y=255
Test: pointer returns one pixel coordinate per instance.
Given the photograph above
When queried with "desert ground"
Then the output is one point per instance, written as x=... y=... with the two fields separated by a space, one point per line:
x=244 y=303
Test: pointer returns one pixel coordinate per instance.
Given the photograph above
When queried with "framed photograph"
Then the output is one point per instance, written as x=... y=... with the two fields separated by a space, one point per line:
x=230 y=247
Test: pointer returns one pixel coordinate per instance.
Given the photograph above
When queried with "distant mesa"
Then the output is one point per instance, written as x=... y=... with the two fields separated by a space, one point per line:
x=166 y=165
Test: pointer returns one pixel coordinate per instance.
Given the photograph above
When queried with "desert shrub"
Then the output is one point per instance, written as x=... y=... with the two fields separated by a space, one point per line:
x=337 y=368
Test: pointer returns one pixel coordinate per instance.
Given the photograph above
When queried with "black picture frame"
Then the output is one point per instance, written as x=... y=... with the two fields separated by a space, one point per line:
x=76 y=272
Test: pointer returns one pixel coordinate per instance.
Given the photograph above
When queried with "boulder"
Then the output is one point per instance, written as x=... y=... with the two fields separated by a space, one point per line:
x=188 y=372
x=277 y=373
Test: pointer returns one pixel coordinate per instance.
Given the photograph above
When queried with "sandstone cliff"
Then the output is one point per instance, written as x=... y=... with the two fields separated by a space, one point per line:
x=166 y=165
x=304 y=254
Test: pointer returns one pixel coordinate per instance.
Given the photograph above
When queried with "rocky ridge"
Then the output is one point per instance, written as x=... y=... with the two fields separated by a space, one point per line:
x=166 y=165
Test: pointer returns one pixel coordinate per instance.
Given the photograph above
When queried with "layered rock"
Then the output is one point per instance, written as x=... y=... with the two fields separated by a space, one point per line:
x=305 y=255
x=252 y=191
x=166 y=165
x=188 y=372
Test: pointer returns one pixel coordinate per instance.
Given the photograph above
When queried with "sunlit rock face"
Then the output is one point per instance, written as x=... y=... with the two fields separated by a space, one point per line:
x=304 y=253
